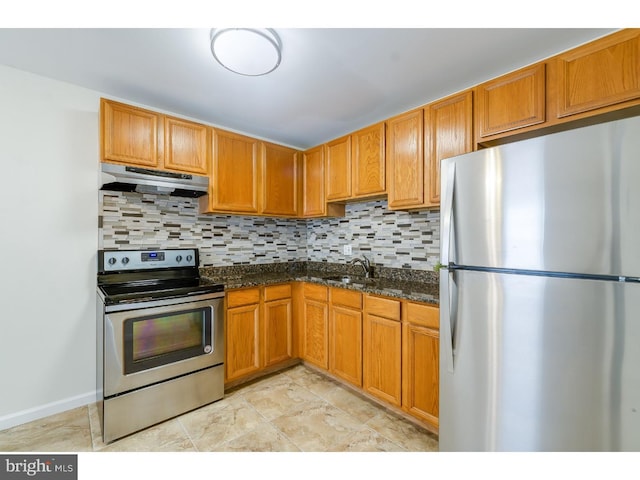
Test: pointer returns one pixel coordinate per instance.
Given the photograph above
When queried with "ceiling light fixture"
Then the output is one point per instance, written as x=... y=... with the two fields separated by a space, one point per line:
x=247 y=51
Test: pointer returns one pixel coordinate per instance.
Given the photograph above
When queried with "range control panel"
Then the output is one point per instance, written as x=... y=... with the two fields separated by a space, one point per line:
x=111 y=261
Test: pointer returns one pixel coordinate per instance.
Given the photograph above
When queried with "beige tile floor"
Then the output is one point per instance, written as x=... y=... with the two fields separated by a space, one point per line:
x=294 y=410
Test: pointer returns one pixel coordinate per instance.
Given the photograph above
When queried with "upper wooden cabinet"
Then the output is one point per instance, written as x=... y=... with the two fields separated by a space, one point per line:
x=405 y=161
x=600 y=74
x=314 y=199
x=511 y=102
x=187 y=146
x=235 y=183
x=368 y=158
x=338 y=176
x=281 y=173
x=448 y=127
x=139 y=137
x=356 y=167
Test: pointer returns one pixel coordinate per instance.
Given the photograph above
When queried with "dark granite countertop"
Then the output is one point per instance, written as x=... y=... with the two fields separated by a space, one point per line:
x=407 y=285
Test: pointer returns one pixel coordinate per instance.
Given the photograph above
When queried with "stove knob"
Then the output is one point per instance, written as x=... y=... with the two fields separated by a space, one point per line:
x=179 y=258
x=125 y=260
x=111 y=261
x=189 y=258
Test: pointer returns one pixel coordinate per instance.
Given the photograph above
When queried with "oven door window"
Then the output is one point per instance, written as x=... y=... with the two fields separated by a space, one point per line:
x=152 y=341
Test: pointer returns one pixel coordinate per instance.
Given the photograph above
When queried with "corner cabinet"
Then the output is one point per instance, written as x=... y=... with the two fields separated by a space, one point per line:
x=137 y=137
x=356 y=166
x=314 y=198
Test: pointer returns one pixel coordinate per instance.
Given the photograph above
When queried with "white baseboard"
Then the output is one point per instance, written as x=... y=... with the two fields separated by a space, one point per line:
x=35 y=413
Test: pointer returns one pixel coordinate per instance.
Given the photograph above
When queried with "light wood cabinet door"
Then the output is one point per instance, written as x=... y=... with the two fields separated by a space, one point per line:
x=368 y=158
x=281 y=175
x=338 y=177
x=313 y=183
x=599 y=74
x=129 y=135
x=277 y=331
x=405 y=160
x=235 y=177
x=382 y=358
x=242 y=334
x=345 y=344
x=448 y=132
x=420 y=376
x=315 y=344
x=512 y=101
x=187 y=146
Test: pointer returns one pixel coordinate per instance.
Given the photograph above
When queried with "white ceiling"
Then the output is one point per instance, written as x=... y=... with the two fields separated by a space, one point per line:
x=331 y=81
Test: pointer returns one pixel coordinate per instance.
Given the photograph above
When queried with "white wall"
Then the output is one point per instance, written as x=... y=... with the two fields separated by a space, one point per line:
x=48 y=242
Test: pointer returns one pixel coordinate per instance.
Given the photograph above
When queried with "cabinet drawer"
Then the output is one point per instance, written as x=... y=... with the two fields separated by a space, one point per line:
x=315 y=292
x=346 y=298
x=244 y=296
x=277 y=292
x=421 y=314
x=382 y=307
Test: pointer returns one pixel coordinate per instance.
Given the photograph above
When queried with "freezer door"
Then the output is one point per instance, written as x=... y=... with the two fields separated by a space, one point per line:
x=532 y=363
x=566 y=202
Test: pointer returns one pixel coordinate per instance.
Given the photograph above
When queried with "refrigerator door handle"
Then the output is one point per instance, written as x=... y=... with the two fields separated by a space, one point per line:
x=447 y=213
x=448 y=309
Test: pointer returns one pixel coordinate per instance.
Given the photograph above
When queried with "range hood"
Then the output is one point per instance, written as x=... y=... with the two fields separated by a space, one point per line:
x=122 y=178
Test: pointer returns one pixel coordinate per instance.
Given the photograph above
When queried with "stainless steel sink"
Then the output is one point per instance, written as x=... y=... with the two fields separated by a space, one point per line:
x=348 y=279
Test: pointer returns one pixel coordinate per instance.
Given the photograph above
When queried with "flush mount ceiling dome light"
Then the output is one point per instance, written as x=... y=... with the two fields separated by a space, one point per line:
x=247 y=51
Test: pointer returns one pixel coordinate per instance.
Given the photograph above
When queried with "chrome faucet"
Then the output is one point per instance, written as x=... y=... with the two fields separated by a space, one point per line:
x=364 y=263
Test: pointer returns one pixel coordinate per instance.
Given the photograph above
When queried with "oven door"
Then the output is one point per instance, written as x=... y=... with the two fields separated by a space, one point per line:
x=143 y=346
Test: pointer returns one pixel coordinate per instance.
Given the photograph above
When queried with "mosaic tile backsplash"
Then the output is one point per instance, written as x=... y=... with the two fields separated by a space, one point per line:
x=389 y=239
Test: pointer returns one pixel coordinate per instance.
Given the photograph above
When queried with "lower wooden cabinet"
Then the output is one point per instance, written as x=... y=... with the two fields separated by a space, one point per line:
x=420 y=361
x=315 y=329
x=258 y=329
x=242 y=333
x=382 y=349
x=345 y=335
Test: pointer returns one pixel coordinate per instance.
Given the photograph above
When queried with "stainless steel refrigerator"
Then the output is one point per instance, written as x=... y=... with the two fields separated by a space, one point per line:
x=540 y=294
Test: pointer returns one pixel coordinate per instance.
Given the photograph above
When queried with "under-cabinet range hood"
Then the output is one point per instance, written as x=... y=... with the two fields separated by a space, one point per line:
x=122 y=178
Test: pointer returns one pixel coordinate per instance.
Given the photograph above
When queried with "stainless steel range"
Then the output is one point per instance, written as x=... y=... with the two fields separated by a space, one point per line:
x=160 y=338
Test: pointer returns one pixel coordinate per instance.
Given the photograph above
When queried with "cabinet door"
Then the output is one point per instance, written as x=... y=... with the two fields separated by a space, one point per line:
x=187 y=146
x=382 y=358
x=369 y=162
x=242 y=333
x=513 y=101
x=345 y=349
x=448 y=132
x=338 y=178
x=129 y=134
x=315 y=333
x=420 y=376
x=599 y=74
x=313 y=193
x=277 y=331
x=405 y=160
x=280 y=173
x=235 y=174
